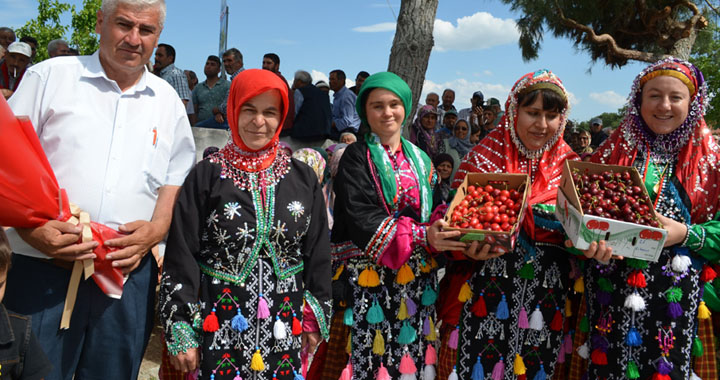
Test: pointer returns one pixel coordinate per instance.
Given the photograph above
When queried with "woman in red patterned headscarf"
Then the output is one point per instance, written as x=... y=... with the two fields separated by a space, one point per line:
x=650 y=328
x=247 y=275
x=512 y=322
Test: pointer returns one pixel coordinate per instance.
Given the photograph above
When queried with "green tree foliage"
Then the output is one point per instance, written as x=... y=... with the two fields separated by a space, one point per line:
x=706 y=56
x=609 y=119
x=47 y=26
x=612 y=30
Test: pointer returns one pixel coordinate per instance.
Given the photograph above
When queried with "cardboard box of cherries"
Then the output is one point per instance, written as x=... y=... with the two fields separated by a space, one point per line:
x=609 y=202
x=489 y=207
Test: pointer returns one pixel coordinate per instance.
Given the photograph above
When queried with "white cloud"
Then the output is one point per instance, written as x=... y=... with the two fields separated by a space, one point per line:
x=319 y=75
x=488 y=73
x=375 y=28
x=574 y=100
x=476 y=32
x=608 y=98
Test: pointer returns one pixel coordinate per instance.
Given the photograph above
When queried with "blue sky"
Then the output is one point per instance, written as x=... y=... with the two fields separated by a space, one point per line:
x=475 y=45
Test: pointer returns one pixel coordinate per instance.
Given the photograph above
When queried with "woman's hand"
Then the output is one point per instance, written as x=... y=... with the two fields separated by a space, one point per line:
x=476 y=253
x=676 y=231
x=186 y=361
x=441 y=240
x=310 y=340
x=597 y=250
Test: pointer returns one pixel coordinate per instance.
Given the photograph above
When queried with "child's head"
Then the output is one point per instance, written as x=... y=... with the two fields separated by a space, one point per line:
x=5 y=257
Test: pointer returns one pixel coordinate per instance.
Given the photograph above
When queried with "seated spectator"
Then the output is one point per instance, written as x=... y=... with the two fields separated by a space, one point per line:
x=58 y=48
x=33 y=46
x=12 y=67
x=424 y=134
x=312 y=110
x=448 y=123
x=348 y=138
x=323 y=86
x=444 y=164
x=7 y=36
x=20 y=352
x=476 y=134
x=583 y=141
x=458 y=145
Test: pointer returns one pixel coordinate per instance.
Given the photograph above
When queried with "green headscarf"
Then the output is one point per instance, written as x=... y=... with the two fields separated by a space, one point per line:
x=420 y=162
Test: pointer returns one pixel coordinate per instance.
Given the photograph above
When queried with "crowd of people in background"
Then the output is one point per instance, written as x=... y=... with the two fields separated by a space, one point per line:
x=299 y=235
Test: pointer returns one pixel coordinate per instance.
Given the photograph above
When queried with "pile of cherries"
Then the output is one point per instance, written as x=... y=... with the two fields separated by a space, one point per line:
x=487 y=208
x=613 y=195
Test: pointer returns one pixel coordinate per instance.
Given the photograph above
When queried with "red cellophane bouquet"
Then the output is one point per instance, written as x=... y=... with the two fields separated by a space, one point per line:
x=30 y=195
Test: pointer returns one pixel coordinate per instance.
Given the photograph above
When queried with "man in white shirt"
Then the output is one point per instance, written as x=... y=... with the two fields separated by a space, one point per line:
x=118 y=140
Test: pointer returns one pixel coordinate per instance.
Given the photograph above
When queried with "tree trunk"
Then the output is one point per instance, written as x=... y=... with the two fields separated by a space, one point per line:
x=682 y=47
x=411 y=47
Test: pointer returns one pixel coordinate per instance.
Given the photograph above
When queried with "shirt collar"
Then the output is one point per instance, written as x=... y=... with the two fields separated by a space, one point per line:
x=6 y=333
x=340 y=91
x=94 y=69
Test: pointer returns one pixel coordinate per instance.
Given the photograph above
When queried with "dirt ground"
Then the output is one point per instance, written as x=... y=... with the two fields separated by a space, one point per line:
x=151 y=362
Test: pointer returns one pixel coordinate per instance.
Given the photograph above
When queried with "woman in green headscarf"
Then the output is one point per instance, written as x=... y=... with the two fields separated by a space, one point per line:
x=385 y=277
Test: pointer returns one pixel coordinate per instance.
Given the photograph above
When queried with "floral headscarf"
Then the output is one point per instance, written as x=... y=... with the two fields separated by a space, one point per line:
x=462 y=146
x=430 y=140
x=312 y=158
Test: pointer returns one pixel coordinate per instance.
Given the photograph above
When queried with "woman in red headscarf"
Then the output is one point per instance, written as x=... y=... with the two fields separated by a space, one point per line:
x=644 y=314
x=247 y=248
x=503 y=313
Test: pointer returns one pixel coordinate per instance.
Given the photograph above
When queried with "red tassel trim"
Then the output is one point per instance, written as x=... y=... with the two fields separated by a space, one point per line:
x=598 y=357
x=557 y=321
x=296 y=326
x=658 y=376
x=708 y=274
x=479 y=308
x=210 y=324
x=636 y=279
x=522 y=377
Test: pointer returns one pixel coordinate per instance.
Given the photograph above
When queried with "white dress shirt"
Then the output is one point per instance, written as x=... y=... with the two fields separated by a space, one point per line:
x=111 y=150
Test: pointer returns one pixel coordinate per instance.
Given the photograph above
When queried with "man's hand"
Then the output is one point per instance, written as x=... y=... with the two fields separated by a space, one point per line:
x=310 y=340
x=186 y=361
x=142 y=236
x=58 y=240
x=6 y=93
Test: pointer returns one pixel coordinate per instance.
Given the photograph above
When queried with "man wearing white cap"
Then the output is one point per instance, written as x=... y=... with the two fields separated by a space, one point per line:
x=13 y=66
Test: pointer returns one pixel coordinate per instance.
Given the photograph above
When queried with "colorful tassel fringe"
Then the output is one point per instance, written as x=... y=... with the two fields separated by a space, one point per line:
x=338 y=272
x=703 y=311
x=429 y=296
x=402 y=311
x=257 y=364
x=453 y=374
x=348 y=317
x=540 y=375
x=636 y=279
x=407 y=335
x=465 y=292
x=369 y=278
x=536 y=319
x=263 y=311
x=633 y=338
x=502 y=312
x=523 y=319
x=211 y=322
x=632 y=371
x=382 y=373
x=519 y=365
x=479 y=308
x=478 y=372
x=527 y=271
x=238 y=323
x=407 y=365
x=579 y=285
x=405 y=275
x=454 y=337
x=697 y=347
x=279 y=330
x=296 y=326
x=635 y=302
x=346 y=372
x=375 y=313
x=430 y=355
x=708 y=274
x=498 y=370
x=557 y=321
x=411 y=307
x=378 y=344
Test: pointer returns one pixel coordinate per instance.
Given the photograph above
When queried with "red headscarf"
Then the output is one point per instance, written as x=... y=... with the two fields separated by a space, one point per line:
x=698 y=155
x=247 y=85
x=501 y=151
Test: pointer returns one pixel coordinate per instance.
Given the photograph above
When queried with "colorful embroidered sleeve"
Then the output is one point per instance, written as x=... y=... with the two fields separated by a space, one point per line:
x=178 y=305
x=704 y=240
x=317 y=275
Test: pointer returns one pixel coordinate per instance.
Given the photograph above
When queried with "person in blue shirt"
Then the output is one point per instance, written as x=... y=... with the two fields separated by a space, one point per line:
x=344 y=116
